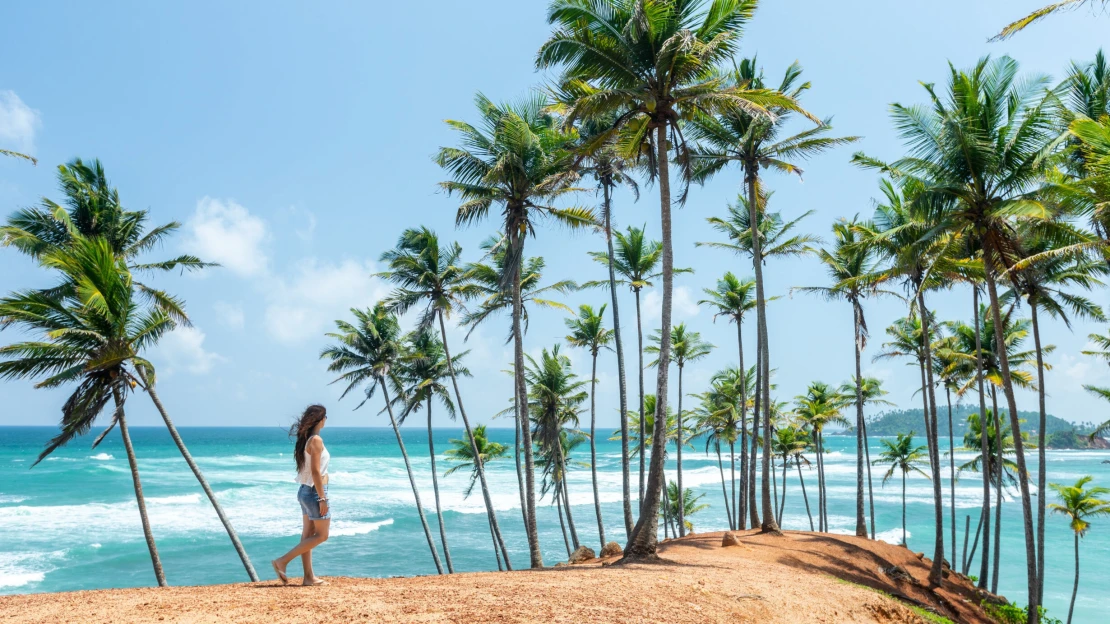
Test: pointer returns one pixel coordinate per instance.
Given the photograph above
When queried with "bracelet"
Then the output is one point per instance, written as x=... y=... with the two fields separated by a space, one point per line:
x=321 y=500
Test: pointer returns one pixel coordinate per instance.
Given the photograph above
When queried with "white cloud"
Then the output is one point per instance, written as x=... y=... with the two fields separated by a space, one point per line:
x=183 y=349
x=231 y=314
x=305 y=304
x=683 y=305
x=309 y=228
x=18 y=122
x=225 y=232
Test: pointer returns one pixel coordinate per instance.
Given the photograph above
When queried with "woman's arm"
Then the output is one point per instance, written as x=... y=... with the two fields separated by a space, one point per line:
x=315 y=450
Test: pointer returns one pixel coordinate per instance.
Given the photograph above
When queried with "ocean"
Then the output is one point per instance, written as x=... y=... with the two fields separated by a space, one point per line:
x=71 y=522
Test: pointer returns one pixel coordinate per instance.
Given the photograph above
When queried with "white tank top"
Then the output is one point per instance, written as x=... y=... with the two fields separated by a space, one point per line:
x=304 y=477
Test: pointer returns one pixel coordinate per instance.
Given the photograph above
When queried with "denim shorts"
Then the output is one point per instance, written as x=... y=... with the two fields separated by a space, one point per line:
x=310 y=507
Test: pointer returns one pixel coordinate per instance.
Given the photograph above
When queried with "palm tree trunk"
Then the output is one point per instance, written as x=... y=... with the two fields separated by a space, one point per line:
x=861 y=519
x=936 y=573
x=643 y=424
x=1041 y=475
x=625 y=486
x=975 y=542
x=984 y=446
x=475 y=451
x=412 y=479
x=496 y=550
x=870 y=491
x=904 y=509
x=741 y=505
x=519 y=471
x=530 y=528
x=1019 y=447
x=996 y=467
x=644 y=538
x=681 y=511
x=133 y=463
x=735 y=522
x=566 y=494
x=782 y=503
x=435 y=488
x=753 y=507
x=562 y=525
x=774 y=491
x=200 y=477
x=724 y=488
x=951 y=474
x=1075 y=586
x=820 y=482
x=593 y=449
x=805 y=497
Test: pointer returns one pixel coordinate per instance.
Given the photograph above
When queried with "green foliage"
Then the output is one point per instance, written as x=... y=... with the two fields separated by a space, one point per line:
x=1015 y=614
x=893 y=422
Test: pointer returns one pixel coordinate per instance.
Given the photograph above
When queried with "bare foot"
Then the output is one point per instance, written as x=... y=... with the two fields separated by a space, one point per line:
x=314 y=581
x=280 y=572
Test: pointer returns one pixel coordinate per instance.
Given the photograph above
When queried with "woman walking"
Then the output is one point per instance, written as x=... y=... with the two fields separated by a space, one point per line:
x=312 y=475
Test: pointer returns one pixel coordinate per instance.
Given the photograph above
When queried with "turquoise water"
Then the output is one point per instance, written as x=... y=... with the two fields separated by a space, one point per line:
x=72 y=523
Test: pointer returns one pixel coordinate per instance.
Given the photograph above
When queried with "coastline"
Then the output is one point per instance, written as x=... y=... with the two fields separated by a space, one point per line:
x=765 y=578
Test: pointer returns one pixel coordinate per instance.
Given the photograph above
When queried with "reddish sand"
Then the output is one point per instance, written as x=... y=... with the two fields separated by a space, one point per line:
x=792 y=578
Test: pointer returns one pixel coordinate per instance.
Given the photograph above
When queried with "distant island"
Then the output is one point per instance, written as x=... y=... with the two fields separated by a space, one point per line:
x=1060 y=433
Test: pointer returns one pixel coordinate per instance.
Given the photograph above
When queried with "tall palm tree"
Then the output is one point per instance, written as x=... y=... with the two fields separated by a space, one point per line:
x=820 y=406
x=430 y=275
x=1043 y=12
x=872 y=393
x=687 y=347
x=516 y=158
x=902 y=456
x=652 y=66
x=461 y=454
x=367 y=352
x=723 y=419
x=1079 y=503
x=979 y=151
x=752 y=142
x=855 y=275
x=92 y=209
x=683 y=506
x=421 y=381
x=603 y=161
x=555 y=394
x=949 y=373
x=789 y=442
x=588 y=332
x=733 y=298
x=95 y=337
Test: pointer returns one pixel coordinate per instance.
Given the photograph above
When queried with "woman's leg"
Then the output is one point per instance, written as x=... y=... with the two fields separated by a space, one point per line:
x=307 y=531
x=319 y=536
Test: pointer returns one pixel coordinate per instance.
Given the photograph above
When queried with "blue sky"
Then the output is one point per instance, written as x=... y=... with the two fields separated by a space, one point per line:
x=294 y=143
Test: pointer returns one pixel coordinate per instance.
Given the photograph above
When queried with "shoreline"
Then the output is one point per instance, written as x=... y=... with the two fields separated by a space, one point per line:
x=765 y=578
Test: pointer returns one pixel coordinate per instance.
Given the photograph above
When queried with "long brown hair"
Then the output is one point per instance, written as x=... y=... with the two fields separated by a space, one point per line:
x=302 y=430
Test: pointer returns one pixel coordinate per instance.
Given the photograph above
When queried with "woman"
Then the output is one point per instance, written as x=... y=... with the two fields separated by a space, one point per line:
x=312 y=474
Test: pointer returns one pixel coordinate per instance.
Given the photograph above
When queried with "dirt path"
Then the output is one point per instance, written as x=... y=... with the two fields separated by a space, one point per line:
x=791 y=579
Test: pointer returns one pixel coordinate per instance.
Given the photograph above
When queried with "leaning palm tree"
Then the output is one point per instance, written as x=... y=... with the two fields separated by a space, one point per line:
x=871 y=390
x=421 y=381
x=516 y=158
x=430 y=275
x=978 y=150
x=855 y=275
x=819 y=407
x=733 y=298
x=95 y=337
x=589 y=332
x=366 y=353
x=904 y=457
x=461 y=454
x=1056 y=7
x=1079 y=503
x=754 y=142
x=688 y=347
x=652 y=64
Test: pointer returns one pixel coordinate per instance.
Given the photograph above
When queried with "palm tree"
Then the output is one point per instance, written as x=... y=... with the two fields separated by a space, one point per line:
x=854 y=274
x=420 y=382
x=1043 y=12
x=669 y=436
x=588 y=332
x=517 y=158
x=428 y=274
x=688 y=347
x=733 y=298
x=753 y=142
x=684 y=508
x=95 y=337
x=1079 y=503
x=461 y=454
x=92 y=209
x=978 y=152
x=554 y=479
x=817 y=408
x=652 y=68
x=366 y=353
x=603 y=161
x=4 y=152
x=872 y=393
x=553 y=400
x=949 y=372
x=903 y=456
x=789 y=442
x=722 y=418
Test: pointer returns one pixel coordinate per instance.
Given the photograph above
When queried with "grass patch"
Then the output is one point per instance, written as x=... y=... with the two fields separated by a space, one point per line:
x=928 y=616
